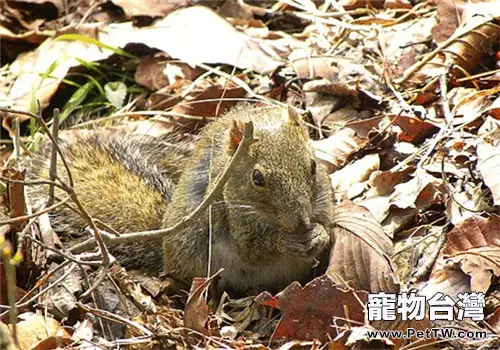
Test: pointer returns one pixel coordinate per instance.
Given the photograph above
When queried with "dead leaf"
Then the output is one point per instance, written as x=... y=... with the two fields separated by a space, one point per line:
x=474 y=245
x=310 y=312
x=383 y=182
x=61 y=299
x=152 y=8
x=48 y=9
x=360 y=255
x=83 y=331
x=397 y=4
x=448 y=16
x=489 y=166
x=357 y=338
x=418 y=193
x=449 y=281
x=41 y=71
x=413 y=130
x=412 y=253
x=468 y=104
x=336 y=149
x=403 y=325
x=463 y=205
x=197 y=312
x=494 y=320
x=473 y=39
x=209 y=102
x=355 y=4
x=15 y=195
x=353 y=174
x=40 y=333
x=211 y=40
x=6 y=338
x=314 y=67
x=159 y=71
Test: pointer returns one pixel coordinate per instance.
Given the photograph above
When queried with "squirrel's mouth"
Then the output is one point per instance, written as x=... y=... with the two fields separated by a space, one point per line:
x=303 y=229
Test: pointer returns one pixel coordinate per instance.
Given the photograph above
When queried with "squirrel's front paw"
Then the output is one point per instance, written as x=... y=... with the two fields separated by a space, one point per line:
x=307 y=245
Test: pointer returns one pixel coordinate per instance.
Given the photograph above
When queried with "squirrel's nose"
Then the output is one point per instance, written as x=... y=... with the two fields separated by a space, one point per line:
x=303 y=226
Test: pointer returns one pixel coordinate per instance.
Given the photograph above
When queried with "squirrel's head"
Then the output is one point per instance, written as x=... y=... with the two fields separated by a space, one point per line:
x=275 y=182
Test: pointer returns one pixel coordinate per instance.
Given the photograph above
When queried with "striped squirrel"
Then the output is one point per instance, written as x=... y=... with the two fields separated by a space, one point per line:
x=268 y=226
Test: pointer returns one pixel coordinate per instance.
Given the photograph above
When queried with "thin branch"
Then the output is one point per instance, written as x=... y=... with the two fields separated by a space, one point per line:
x=447 y=115
x=114 y=317
x=53 y=154
x=34 y=215
x=33 y=182
x=47 y=131
x=44 y=290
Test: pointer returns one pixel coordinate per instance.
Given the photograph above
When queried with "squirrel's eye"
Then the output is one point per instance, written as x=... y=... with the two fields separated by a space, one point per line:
x=257 y=178
x=313 y=168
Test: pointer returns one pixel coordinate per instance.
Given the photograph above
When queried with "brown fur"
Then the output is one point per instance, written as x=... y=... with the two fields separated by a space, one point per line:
x=262 y=237
x=113 y=189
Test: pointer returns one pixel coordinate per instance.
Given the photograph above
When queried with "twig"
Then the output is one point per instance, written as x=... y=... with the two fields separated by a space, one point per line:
x=34 y=215
x=447 y=115
x=70 y=190
x=247 y=140
x=32 y=182
x=61 y=253
x=10 y=276
x=47 y=131
x=89 y=12
x=17 y=141
x=114 y=317
x=334 y=22
x=44 y=290
x=53 y=155
x=424 y=270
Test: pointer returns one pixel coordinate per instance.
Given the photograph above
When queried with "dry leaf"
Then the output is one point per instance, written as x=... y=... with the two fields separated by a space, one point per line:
x=489 y=166
x=449 y=281
x=418 y=193
x=48 y=9
x=494 y=320
x=15 y=195
x=360 y=255
x=152 y=8
x=211 y=40
x=314 y=67
x=474 y=245
x=448 y=16
x=54 y=57
x=413 y=130
x=468 y=104
x=463 y=205
x=6 y=339
x=197 y=312
x=353 y=174
x=336 y=149
x=383 y=182
x=159 y=71
x=208 y=102
x=310 y=312
x=40 y=333
x=472 y=41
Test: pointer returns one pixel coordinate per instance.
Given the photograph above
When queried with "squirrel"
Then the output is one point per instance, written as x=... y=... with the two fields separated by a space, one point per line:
x=269 y=225
x=123 y=181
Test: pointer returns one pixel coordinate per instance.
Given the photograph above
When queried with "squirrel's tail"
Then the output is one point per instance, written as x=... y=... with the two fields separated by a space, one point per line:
x=124 y=181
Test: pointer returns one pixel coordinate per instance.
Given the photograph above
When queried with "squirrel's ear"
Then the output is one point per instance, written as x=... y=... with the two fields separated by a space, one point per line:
x=235 y=135
x=291 y=115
